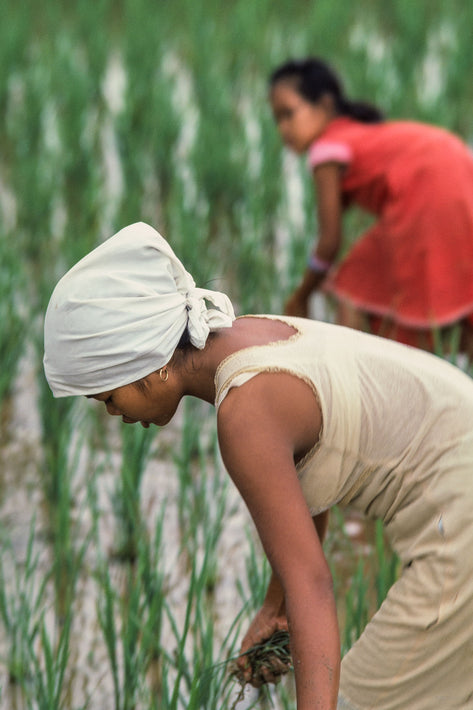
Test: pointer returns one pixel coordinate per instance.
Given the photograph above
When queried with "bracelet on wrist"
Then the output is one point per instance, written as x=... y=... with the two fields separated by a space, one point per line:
x=317 y=265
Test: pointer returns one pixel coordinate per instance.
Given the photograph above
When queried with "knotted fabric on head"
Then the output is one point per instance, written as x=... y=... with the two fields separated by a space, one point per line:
x=120 y=312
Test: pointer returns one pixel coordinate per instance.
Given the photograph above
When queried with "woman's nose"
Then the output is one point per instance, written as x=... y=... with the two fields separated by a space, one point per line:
x=111 y=409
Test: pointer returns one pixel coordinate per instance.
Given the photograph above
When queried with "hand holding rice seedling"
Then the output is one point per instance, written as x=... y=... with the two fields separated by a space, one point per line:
x=266 y=662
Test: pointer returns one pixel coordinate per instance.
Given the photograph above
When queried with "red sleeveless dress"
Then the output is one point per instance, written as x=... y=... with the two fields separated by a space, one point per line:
x=415 y=265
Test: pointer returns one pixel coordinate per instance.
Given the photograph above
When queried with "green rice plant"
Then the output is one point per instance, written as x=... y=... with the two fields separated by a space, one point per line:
x=136 y=451
x=68 y=557
x=257 y=262
x=356 y=607
x=31 y=177
x=147 y=127
x=456 y=55
x=126 y=689
x=12 y=315
x=107 y=619
x=219 y=170
x=257 y=267
x=68 y=542
x=153 y=582
x=209 y=687
x=61 y=426
x=91 y=502
x=202 y=492
x=21 y=600
x=75 y=65
x=189 y=231
x=57 y=424
x=131 y=623
x=354 y=571
x=193 y=675
x=258 y=572
x=135 y=659
x=212 y=687
x=50 y=663
x=180 y=662
x=387 y=565
x=407 y=34
x=55 y=151
x=189 y=458
x=447 y=342
x=350 y=573
x=78 y=19
x=13 y=49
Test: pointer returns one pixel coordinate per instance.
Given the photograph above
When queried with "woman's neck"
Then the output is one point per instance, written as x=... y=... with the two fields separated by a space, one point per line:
x=198 y=367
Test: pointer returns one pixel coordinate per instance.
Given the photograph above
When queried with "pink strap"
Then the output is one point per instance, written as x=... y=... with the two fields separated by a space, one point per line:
x=327 y=152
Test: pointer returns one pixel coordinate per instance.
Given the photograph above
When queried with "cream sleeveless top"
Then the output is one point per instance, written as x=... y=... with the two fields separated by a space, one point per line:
x=393 y=416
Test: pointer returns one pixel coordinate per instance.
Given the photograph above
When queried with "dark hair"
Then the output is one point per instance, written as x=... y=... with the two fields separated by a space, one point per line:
x=184 y=340
x=312 y=78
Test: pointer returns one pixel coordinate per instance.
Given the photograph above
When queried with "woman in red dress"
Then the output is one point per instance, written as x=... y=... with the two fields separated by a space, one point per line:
x=411 y=275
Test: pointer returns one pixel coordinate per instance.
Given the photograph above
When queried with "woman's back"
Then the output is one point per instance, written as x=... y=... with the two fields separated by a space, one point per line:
x=387 y=411
x=386 y=159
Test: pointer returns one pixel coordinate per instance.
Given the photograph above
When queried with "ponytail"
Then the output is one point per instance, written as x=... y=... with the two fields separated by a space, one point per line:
x=360 y=111
x=313 y=78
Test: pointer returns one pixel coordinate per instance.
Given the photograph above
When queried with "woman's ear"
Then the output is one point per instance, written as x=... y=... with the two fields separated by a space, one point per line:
x=327 y=102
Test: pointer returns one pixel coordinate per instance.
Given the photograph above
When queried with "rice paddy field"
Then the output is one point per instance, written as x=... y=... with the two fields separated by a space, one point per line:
x=129 y=567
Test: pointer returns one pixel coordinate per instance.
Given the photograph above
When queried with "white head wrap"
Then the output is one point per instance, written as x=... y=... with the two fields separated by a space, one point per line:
x=120 y=312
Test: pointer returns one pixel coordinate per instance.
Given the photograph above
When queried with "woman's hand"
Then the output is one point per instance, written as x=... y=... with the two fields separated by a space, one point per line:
x=263 y=626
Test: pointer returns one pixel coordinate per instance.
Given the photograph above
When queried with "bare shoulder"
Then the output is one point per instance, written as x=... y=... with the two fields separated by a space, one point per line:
x=274 y=409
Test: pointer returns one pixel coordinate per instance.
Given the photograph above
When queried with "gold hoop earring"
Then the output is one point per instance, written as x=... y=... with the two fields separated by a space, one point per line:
x=164 y=374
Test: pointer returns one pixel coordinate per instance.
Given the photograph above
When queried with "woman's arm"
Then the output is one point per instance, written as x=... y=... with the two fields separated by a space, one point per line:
x=263 y=426
x=327 y=182
x=328 y=189
x=271 y=617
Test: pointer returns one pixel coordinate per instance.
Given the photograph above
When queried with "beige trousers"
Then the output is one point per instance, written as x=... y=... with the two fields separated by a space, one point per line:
x=417 y=651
